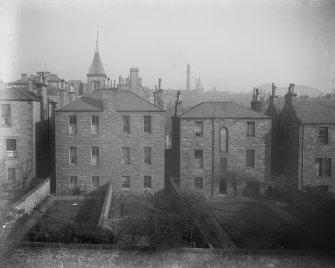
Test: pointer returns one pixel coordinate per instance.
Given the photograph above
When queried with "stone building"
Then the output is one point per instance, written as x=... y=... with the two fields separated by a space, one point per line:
x=214 y=137
x=26 y=136
x=306 y=141
x=110 y=135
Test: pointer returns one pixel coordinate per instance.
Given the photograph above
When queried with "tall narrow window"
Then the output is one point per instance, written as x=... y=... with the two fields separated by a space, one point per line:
x=96 y=84
x=125 y=124
x=323 y=135
x=94 y=124
x=125 y=182
x=147 y=182
x=198 y=129
x=147 y=124
x=223 y=164
x=5 y=114
x=198 y=182
x=126 y=155
x=198 y=155
x=95 y=156
x=72 y=124
x=73 y=156
x=95 y=182
x=11 y=176
x=147 y=155
x=323 y=167
x=11 y=148
x=251 y=129
x=73 y=183
x=250 y=158
x=223 y=140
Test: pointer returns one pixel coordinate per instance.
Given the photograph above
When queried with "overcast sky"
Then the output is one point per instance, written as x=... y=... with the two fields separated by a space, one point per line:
x=234 y=45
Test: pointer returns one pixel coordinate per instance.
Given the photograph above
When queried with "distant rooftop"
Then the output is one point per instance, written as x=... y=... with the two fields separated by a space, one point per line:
x=16 y=94
x=315 y=112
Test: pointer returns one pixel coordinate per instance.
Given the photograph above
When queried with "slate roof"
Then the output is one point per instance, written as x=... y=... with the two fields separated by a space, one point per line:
x=96 y=66
x=221 y=110
x=16 y=94
x=315 y=112
x=127 y=101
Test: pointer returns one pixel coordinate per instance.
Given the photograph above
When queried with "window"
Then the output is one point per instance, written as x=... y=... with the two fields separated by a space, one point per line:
x=323 y=167
x=11 y=148
x=72 y=124
x=198 y=129
x=96 y=84
x=125 y=182
x=95 y=124
x=95 y=182
x=73 y=183
x=323 y=135
x=223 y=164
x=126 y=155
x=251 y=129
x=95 y=156
x=125 y=123
x=5 y=114
x=147 y=155
x=223 y=140
x=147 y=182
x=198 y=158
x=11 y=176
x=198 y=182
x=147 y=124
x=73 y=156
x=250 y=158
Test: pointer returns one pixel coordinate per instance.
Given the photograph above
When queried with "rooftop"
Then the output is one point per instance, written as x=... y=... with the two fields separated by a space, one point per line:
x=221 y=110
x=315 y=112
x=16 y=94
x=96 y=66
x=127 y=101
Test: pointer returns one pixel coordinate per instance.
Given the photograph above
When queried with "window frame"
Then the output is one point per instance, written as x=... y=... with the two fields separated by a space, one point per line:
x=223 y=164
x=123 y=149
x=76 y=184
x=199 y=132
x=126 y=124
x=127 y=181
x=199 y=161
x=76 y=156
x=251 y=128
x=147 y=125
x=146 y=182
x=11 y=152
x=95 y=125
x=9 y=179
x=72 y=128
x=148 y=150
x=249 y=161
x=4 y=122
x=321 y=169
x=324 y=138
x=95 y=156
x=197 y=183
x=94 y=185
x=221 y=142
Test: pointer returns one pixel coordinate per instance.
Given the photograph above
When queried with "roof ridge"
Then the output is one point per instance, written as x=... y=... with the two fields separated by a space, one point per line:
x=145 y=100
x=192 y=108
x=64 y=106
x=22 y=91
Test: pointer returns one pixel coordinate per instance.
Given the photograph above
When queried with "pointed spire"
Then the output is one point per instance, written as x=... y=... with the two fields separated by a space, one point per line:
x=97 y=48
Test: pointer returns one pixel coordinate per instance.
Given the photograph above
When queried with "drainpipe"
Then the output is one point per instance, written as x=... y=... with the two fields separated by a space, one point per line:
x=213 y=155
x=302 y=156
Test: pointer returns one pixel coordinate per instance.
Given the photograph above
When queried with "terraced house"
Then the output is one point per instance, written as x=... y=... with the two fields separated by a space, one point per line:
x=110 y=135
x=213 y=137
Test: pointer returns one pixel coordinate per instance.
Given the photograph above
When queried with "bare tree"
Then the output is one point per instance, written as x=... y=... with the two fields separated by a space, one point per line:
x=25 y=169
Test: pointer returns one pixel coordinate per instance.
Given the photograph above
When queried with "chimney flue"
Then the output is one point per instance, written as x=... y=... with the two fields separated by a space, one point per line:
x=188 y=74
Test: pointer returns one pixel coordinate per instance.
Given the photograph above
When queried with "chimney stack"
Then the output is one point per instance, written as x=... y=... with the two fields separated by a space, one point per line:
x=255 y=103
x=160 y=102
x=188 y=74
x=290 y=96
x=110 y=99
x=155 y=96
x=178 y=108
x=273 y=97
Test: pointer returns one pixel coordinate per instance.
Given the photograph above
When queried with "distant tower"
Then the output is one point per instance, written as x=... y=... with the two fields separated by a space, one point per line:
x=96 y=76
x=188 y=74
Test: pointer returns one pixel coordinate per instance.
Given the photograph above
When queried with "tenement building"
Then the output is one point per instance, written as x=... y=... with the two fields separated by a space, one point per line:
x=307 y=142
x=110 y=135
x=212 y=138
x=26 y=135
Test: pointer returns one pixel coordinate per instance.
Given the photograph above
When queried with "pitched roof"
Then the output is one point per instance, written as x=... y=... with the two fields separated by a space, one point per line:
x=96 y=66
x=16 y=94
x=221 y=110
x=127 y=101
x=315 y=112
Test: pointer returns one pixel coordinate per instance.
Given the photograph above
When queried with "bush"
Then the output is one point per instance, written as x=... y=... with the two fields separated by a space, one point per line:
x=71 y=233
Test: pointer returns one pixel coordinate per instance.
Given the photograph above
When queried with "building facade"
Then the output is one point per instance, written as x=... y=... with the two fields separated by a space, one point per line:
x=212 y=138
x=110 y=135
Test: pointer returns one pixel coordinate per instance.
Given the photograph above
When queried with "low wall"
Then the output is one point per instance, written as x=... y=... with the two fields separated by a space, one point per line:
x=28 y=202
x=106 y=205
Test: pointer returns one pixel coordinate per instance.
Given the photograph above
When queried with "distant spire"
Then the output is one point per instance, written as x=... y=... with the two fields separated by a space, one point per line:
x=45 y=65
x=97 y=49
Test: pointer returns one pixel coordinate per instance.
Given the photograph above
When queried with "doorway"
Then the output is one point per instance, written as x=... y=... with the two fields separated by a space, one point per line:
x=223 y=186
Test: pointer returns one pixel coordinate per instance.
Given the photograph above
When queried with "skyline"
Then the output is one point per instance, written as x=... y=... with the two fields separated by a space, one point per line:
x=232 y=45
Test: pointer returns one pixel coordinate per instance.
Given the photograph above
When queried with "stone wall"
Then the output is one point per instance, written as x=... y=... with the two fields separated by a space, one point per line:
x=238 y=143
x=110 y=141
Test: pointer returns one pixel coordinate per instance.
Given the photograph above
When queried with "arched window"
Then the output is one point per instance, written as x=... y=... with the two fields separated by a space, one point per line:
x=223 y=139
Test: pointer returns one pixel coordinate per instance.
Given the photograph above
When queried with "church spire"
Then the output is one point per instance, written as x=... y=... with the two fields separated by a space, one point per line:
x=97 y=48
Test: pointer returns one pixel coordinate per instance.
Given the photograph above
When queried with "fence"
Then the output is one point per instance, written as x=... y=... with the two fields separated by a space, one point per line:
x=28 y=202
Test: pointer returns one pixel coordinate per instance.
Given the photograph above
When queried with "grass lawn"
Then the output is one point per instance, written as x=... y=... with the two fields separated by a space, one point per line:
x=251 y=224
x=43 y=257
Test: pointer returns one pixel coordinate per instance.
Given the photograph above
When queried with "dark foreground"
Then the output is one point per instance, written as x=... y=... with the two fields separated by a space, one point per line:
x=46 y=257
